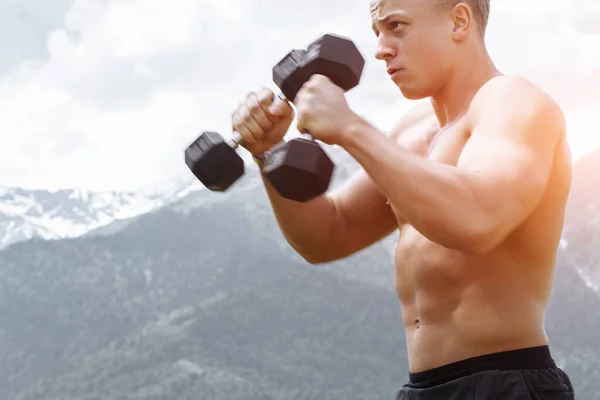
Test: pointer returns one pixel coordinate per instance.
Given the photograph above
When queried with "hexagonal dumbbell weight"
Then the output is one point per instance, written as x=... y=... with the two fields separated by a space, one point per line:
x=301 y=170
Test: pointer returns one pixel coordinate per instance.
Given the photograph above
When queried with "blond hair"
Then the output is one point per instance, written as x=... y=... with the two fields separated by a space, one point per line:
x=480 y=9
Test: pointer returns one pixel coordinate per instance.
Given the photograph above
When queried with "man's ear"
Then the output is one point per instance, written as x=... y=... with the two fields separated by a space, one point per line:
x=462 y=21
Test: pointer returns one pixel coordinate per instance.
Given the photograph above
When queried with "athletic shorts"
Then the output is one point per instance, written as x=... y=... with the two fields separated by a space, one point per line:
x=527 y=374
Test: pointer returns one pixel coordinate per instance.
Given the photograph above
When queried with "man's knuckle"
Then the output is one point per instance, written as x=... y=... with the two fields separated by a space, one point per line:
x=264 y=93
x=245 y=118
x=254 y=107
x=265 y=101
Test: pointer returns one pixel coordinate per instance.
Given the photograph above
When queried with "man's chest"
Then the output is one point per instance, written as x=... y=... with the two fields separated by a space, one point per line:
x=443 y=145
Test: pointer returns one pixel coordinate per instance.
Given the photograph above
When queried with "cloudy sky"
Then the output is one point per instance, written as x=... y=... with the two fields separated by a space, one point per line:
x=106 y=94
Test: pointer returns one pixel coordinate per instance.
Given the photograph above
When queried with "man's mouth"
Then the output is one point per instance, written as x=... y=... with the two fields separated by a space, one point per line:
x=391 y=71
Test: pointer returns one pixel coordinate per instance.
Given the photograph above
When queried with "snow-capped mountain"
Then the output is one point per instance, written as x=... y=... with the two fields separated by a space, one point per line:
x=588 y=275
x=26 y=214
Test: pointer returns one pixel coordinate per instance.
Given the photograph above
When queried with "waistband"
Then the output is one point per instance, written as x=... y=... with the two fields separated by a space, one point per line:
x=528 y=358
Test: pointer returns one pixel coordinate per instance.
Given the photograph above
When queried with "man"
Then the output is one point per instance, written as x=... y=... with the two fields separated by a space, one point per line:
x=477 y=183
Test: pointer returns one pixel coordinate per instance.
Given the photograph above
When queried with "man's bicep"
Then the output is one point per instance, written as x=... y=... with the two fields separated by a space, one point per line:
x=509 y=175
x=510 y=155
x=362 y=215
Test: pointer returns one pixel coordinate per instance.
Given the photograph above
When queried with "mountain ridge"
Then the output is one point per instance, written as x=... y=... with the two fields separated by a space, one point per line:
x=205 y=300
x=67 y=213
x=73 y=212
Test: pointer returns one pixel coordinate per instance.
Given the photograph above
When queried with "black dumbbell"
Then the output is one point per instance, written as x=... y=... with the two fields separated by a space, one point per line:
x=214 y=160
x=301 y=170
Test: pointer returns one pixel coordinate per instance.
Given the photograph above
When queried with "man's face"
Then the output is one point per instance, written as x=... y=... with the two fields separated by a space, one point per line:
x=416 y=40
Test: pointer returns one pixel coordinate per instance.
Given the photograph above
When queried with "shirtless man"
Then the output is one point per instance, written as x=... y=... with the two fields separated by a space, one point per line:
x=476 y=180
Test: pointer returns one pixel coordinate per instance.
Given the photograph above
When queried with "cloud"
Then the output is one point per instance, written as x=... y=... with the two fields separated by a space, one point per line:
x=123 y=86
x=585 y=15
x=25 y=26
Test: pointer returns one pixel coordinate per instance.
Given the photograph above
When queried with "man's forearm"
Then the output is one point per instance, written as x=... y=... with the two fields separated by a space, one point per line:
x=306 y=226
x=437 y=199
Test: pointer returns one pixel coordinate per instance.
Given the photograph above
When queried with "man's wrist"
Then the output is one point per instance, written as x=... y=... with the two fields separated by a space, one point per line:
x=259 y=158
x=354 y=133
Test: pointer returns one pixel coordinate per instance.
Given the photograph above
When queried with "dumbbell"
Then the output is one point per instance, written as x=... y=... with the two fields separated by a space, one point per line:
x=301 y=170
x=214 y=160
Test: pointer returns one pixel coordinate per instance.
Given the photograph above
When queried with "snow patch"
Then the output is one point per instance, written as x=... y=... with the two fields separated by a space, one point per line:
x=58 y=214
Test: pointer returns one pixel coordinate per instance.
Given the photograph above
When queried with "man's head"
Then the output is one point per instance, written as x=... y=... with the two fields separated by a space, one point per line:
x=427 y=40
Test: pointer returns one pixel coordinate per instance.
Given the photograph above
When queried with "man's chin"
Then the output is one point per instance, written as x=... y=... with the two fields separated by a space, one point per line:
x=410 y=93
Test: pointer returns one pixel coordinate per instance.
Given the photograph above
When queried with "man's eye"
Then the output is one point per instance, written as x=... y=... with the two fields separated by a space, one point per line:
x=396 y=25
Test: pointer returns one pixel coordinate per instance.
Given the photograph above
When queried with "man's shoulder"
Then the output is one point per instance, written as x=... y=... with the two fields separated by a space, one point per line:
x=507 y=84
x=513 y=96
x=516 y=98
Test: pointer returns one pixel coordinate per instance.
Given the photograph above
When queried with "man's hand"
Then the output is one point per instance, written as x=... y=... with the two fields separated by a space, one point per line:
x=261 y=123
x=323 y=111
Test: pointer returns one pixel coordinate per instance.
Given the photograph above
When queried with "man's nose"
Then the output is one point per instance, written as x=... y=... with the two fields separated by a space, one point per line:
x=384 y=51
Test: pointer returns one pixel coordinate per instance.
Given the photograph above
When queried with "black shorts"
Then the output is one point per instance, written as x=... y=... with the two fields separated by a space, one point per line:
x=527 y=374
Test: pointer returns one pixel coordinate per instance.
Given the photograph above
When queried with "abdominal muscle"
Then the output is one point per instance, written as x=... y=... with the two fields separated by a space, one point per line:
x=456 y=306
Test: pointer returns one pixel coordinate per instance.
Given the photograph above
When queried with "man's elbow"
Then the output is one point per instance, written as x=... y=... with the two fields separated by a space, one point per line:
x=313 y=256
x=479 y=237
x=318 y=259
x=482 y=242
x=312 y=260
x=476 y=236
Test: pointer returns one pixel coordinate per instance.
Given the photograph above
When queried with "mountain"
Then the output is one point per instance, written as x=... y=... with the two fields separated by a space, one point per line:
x=574 y=304
x=27 y=214
x=71 y=306
x=203 y=299
x=68 y=213
x=582 y=226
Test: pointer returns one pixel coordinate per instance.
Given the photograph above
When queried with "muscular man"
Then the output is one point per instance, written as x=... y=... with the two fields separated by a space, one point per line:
x=476 y=180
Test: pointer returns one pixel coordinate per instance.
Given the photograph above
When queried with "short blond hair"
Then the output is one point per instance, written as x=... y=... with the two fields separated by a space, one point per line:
x=480 y=8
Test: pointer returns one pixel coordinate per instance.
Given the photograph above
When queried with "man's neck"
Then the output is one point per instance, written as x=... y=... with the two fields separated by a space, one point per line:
x=453 y=101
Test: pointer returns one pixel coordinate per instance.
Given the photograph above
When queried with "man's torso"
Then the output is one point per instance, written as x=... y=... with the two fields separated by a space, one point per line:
x=457 y=305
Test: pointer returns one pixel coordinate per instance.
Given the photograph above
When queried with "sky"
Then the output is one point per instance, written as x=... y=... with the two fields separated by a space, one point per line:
x=106 y=94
